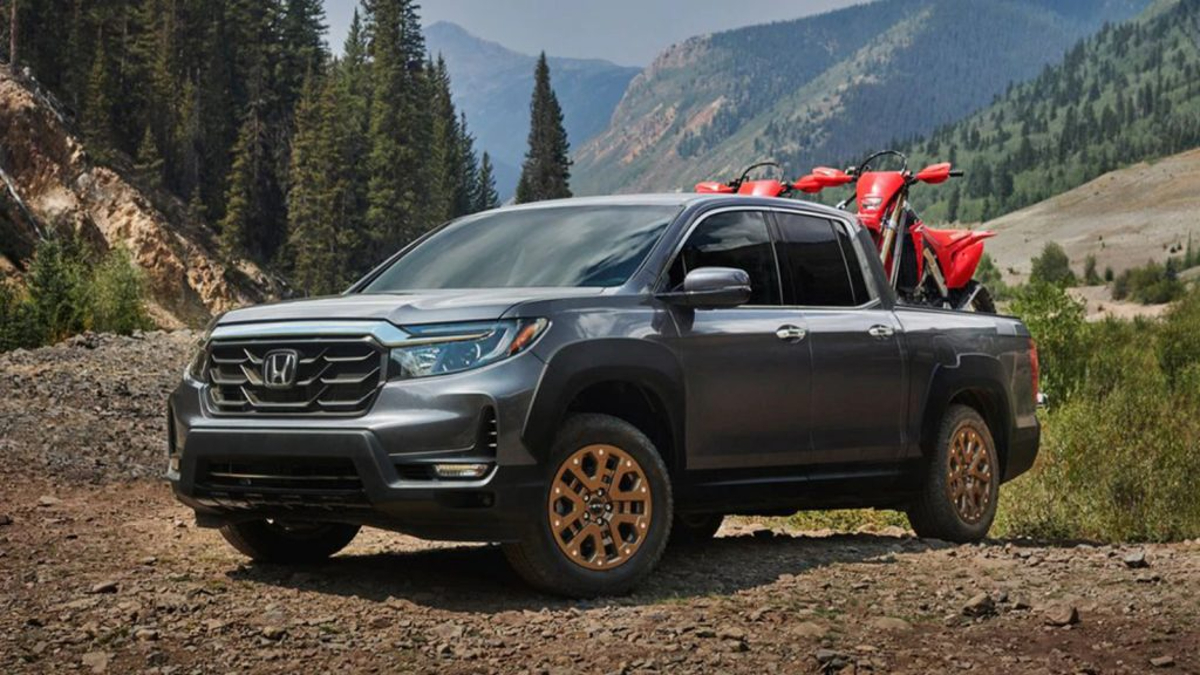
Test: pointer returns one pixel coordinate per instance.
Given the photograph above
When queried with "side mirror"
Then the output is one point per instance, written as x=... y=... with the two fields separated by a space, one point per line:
x=711 y=288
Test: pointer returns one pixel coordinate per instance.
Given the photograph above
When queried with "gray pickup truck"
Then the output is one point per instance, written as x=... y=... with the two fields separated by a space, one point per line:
x=584 y=380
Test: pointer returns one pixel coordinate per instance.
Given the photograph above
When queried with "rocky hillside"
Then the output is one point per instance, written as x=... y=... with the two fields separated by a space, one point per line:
x=492 y=85
x=823 y=88
x=48 y=184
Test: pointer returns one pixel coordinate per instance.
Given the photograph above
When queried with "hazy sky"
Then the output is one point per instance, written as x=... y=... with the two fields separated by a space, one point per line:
x=628 y=32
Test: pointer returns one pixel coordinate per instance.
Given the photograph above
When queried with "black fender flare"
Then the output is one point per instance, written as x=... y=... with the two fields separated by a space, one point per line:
x=979 y=373
x=577 y=366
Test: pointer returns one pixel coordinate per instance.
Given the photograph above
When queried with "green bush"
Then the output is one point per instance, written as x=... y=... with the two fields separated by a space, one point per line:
x=1059 y=325
x=990 y=276
x=1052 y=267
x=68 y=291
x=1151 y=284
x=1119 y=451
x=117 y=298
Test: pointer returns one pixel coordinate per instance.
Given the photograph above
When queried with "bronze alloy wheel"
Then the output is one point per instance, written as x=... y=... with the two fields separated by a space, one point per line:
x=600 y=507
x=969 y=475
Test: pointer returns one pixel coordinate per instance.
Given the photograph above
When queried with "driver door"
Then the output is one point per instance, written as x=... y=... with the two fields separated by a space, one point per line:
x=747 y=369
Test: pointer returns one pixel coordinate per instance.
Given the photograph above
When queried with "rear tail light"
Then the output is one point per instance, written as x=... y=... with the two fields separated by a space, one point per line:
x=1035 y=372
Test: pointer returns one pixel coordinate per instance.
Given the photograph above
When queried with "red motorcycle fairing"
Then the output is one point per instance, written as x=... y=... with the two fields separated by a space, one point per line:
x=875 y=189
x=761 y=188
x=829 y=177
x=935 y=173
x=713 y=187
x=958 y=253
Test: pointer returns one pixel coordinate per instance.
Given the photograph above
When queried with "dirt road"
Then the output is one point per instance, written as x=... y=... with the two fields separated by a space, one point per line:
x=100 y=571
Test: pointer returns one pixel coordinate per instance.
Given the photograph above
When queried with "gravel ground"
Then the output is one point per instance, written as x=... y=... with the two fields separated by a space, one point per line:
x=101 y=571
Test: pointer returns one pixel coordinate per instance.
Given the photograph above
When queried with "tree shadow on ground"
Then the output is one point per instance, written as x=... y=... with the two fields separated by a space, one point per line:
x=477 y=578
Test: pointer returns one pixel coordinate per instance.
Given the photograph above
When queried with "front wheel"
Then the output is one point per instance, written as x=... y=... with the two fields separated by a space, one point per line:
x=287 y=542
x=961 y=483
x=606 y=513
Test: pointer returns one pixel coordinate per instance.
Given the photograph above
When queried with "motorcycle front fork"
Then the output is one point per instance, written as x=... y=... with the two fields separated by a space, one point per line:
x=891 y=249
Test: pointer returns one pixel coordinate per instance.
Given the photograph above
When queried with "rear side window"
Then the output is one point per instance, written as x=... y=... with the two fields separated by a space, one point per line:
x=815 y=253
x=737 y=239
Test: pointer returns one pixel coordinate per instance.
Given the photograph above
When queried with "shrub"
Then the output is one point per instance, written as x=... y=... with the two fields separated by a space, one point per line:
x=117 y=299
x=68 y=292
x=1052 y=267
x=1058 y=324
x=1151 y=284
x=990 y=276
x=1090 y=276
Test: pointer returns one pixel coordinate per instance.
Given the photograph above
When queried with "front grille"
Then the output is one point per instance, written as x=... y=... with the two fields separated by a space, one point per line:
x=332 y=377
x=295 y=481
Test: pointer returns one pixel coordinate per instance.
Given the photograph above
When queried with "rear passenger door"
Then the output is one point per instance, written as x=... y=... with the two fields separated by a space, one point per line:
x=858 y=399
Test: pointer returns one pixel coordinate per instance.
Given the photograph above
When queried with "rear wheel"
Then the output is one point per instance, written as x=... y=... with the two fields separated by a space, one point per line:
x=694 y=529
x=287 y=542
x=962 y=481
x=977 y=298
x=606 y=515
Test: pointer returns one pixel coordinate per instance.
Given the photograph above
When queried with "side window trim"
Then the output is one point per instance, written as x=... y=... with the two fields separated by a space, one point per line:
x=768 y=220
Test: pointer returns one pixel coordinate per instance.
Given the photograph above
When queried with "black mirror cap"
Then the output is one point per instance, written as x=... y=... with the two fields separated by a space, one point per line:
x=711 y=288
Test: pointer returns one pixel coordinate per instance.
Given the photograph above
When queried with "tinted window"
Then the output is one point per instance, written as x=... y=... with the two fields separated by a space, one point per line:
x=816 y=270
x=854 y=265
x=550 y=246
x=737 y=239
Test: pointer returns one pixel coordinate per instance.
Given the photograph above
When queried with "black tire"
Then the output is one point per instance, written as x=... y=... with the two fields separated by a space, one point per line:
x=538 y=558
x=694 y=529
x=288 y=543
x=936 y=514
x=981 y=299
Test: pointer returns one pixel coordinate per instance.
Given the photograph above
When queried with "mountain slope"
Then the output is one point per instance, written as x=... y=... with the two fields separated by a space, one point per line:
x=825 y=87
x=1128 y=94
x=49 y=184
x=493 y=84
x=1143 y=212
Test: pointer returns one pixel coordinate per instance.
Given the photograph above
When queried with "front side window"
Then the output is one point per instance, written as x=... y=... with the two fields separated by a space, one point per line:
x=815 y=262
x=737 y=239
x=580 y=246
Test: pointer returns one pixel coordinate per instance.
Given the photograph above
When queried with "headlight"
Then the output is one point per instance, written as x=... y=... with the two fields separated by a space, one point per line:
x=455 y=347
x=195 y=369
x=871 y=203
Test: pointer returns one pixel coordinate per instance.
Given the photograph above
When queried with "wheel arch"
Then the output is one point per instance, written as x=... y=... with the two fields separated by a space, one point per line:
x=976 y=382
x=637 y=381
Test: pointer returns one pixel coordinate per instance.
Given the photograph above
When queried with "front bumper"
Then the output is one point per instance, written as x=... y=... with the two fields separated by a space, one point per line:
x=369 y=470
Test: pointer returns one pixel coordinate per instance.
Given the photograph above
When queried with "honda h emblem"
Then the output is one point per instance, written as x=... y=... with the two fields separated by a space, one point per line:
x=279 y=369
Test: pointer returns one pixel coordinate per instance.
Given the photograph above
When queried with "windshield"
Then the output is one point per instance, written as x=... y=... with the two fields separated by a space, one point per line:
x=592 y=246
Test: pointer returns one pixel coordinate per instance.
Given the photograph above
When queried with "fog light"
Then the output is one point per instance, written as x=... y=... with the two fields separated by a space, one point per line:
x=460 y=471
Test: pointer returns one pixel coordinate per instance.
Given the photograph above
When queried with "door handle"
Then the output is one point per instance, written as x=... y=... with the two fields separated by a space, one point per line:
x=881 y=331
x=790 y=333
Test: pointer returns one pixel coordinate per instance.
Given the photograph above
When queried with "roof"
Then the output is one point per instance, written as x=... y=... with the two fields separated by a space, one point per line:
x=680 y=199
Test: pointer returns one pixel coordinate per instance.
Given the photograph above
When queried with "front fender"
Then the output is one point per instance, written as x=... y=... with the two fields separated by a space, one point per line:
x=575 y=367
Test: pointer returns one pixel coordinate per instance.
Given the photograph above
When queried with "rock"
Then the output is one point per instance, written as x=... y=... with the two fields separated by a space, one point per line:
x=109 y=586
x=275 y=633
x=1136 y=560
x=1162 y=661
x=831 y=660
x=47 y=501
x=979 y=606
x=5 y=519
x=732 y=633
x=1061 y=615
x=888 y=623
x=145 y=634
x=807 y=629
x=97 y=661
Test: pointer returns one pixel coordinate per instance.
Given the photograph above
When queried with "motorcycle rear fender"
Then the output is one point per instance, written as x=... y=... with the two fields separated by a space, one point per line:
x=961 y=264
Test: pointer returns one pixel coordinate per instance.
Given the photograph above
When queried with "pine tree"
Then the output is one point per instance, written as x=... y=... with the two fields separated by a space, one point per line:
x=546 y=173
x=97 y=122
x=149 y=163
x=486 y=197
x=246 y=226
x=467 y=183
x=397 y=131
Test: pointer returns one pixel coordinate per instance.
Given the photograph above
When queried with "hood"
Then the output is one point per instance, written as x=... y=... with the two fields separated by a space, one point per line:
x=404 y=308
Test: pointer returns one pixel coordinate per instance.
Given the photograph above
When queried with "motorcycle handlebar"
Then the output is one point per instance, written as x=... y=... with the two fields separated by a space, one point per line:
x=956 y=173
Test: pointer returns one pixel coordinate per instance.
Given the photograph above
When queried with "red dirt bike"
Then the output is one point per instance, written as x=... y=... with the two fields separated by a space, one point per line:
x=936 y=267
x=926 y=266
